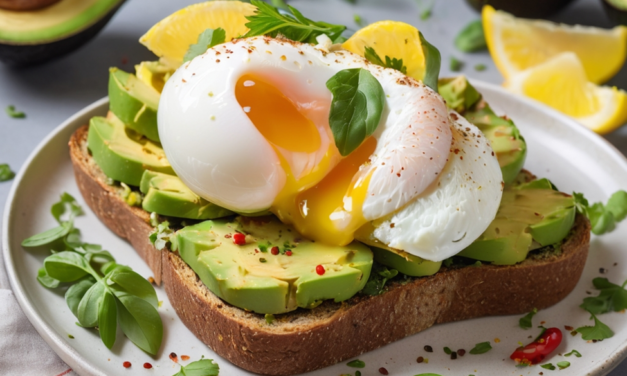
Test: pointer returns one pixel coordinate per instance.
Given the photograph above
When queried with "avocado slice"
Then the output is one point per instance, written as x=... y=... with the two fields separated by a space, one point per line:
x=531 y=215
x=134 y=102
x=252 y=278
x=510 y=147
x=35 y=36
x=406 y=263
x=167 y=195
x=154 y=74
x=122 y=153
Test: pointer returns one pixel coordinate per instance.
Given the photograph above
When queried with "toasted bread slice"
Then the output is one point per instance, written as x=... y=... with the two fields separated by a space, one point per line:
x=305 y=340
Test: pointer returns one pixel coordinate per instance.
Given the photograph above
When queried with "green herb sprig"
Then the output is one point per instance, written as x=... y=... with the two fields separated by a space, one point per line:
x=371 y=55
x=269 y=21
x=525 y=321
x=203 y=367
x=206 y=40
x=611 y=298
x=356 y=108
x=12 y=112
x=102 y=293
x=481 y=348
x=471 y=38
x=5 y=172
x=603 y=218
x=597 y=332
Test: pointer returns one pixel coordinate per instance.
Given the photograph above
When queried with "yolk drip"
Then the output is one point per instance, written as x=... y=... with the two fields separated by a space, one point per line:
x=324 y=205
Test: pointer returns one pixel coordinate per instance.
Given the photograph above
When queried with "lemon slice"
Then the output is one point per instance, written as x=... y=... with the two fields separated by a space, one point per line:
x=562 y=84
x=517 y=44
x=171 y=37
x=394 y=39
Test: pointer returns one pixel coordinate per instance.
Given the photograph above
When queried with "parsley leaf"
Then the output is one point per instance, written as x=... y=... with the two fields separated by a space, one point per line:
x=471 y=38
x=575 y=353
x=563 y=364
x=371 y=55
x=598 y=331
x=279 y=4
x=481 y=348
x=268 y=21
x=612 y=297
x=356 y=108
x=432 y=63
x=206 y=40
x=603 y=218
x=525 y=321
x=203 y=367
x=548 y=366
x=5 y=172
x=13 y=113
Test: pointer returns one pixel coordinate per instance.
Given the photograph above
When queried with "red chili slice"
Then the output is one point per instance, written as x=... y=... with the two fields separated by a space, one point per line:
x=239 y=238
x=536 y=351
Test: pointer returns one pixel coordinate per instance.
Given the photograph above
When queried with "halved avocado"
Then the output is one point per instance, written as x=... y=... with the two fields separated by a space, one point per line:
x=528 y=8
x=35 y=36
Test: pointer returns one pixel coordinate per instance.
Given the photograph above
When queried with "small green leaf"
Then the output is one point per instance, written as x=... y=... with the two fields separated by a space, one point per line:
x=206 y=40
x=67 y=204
x=617 y=204
x=12 y=112
x=471 y=38
x=447 y=351
x=5 y=172
x=525 y=321
x=548 y=366
x=87 y=311
x=140 y=321
x=356 y=363
x=575 y=353
x=480 y=67
x=356 y=108
x=596 y=332
x=107 y=319
x=359 y=21
x=563 y=364
x=611 y=298
x=45 y=280
x=76 y=292
x=371 y=55
x=432 y=63
x=47 y=236
x=66 y=266
x=456 y=65
x=203 y=367
x=603 y=218
x=127 y=280
x=481 y=348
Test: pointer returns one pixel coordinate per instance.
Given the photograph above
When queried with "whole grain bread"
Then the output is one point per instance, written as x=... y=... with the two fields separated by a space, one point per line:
x=305 y=340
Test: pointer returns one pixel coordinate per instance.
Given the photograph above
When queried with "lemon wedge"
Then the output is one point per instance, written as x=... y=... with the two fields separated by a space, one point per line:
x=561 y=83
x=394 y=39
x=517 y=44
x=171 y=37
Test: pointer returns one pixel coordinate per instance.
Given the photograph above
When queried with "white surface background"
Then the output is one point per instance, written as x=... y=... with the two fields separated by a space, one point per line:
x=51 y=93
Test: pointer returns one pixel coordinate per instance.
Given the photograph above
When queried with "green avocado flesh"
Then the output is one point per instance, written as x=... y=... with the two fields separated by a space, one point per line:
x=57 y=21
x=506 y=141
x=620 y=4
x=123 y=154
x=168 y=195
x=405 y=263
x=531 y=215
x=134 y=102
x=250 y=277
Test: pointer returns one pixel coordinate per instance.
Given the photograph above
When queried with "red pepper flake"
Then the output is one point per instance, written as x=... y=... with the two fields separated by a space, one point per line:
x=239 y=238
x=147 y=365
x=126 y=364
x=288 y=252
x=383 y=371
x=184 y=357
x=274 y=250
x=173 y=357
x=320 y=270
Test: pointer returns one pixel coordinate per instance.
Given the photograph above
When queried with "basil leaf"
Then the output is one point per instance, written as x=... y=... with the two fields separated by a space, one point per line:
x=76 y=292
x=140 y=321
x=432 y=63
x=293 y=25
x=206 y=40
x=107 y=319
x=48 y=236
x=133 y=283
x=45 y=280
x=356 y=363
x=356 y=108
x=67 y=202
x=87 y=311
x=73 y=240
x=471 y=38
x=481 y=348
x=66 y=266
x=203 y=367
x=455 y=64
x=5 y=172
x=525 y=321
x=598 y=331
x=12 y=112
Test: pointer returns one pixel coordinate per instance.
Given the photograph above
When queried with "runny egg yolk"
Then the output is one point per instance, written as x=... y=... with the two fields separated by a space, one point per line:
x=325 y=204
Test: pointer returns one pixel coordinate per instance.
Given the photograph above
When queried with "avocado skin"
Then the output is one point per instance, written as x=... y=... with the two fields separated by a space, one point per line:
x=167 y=195
x=617 y=15
x=119 y=156
x=528 y=8
x=407 y=264
x=128 y=107
x=280 y=284
x=24 y=55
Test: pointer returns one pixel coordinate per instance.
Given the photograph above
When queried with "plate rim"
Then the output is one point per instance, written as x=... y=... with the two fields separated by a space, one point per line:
x=82 y=366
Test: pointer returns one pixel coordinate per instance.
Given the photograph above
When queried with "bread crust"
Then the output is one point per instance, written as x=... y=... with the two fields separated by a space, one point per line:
x=305 y=340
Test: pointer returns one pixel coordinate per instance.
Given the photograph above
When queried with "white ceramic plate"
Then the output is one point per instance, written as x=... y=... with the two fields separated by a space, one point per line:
x=571 y=156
